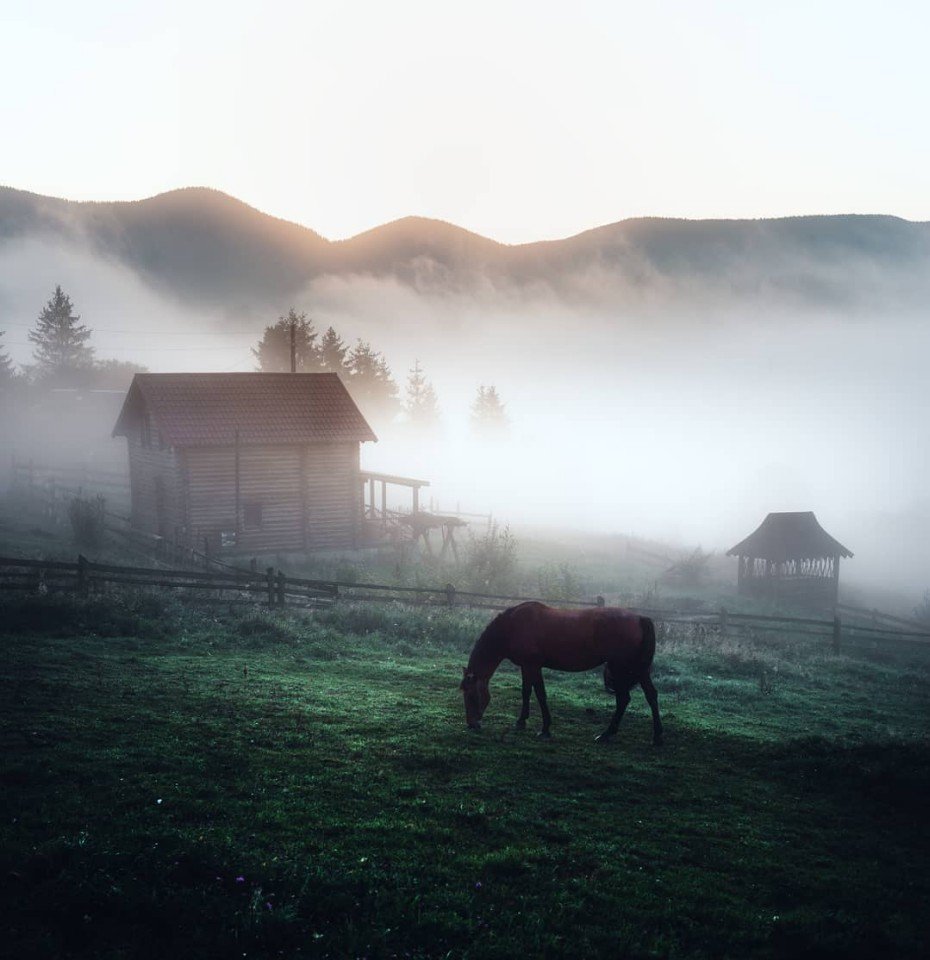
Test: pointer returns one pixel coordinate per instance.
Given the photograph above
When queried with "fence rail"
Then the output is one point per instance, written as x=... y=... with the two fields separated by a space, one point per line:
x=275 y=589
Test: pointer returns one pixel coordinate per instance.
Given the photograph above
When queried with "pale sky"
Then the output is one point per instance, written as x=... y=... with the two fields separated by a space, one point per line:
x=519 y=120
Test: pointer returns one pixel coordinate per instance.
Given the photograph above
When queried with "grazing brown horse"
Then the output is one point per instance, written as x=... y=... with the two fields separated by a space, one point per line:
x=533 y=635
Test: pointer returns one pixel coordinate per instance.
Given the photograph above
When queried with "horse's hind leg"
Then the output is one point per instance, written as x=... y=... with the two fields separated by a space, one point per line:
x=622 y=686
x=525 y=709
x=540 y=688
x=653 y=699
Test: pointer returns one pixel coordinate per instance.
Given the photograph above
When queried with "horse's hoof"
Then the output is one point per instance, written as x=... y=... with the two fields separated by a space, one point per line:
x=544 y=735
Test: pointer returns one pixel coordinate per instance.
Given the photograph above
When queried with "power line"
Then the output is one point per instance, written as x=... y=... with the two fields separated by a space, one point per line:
x=145 y=333
x=154 y=349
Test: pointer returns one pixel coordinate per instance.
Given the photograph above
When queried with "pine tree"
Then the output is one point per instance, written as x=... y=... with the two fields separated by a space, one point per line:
x=273 y=351
x=422 y=408
x=7 y=372
x=370 y=381
x=488 y=416
x=333 y=352
x=62 y=353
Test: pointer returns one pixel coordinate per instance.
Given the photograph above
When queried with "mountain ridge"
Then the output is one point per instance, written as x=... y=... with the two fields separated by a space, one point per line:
x=204 y=246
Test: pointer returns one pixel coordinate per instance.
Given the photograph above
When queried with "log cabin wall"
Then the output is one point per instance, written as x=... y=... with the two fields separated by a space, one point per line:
x=270 y=496
x=155 y=483
x=331 y=497
x=260 y=462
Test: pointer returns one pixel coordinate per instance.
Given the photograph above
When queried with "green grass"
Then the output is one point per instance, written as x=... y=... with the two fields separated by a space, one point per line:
x=188 y=784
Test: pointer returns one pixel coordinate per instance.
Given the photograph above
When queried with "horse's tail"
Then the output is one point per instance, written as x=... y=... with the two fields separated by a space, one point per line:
x=648 y=629
x=647 y=653
x=608 y=680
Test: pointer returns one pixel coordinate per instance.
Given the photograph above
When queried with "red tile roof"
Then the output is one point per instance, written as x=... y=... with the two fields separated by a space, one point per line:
x=789 y=536
x=206 y=409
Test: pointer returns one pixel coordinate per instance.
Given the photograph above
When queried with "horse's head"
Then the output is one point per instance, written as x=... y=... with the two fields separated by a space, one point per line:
x=477 y=698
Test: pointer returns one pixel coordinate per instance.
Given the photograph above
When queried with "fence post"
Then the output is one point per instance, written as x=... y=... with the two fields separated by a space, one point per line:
x=282 y=580
x=837 y=634
x=82 y=573
x=599 y=600
x=723 y=621
x=206 y=553
x=269 y=578
x=253 y=566
x=450 y=595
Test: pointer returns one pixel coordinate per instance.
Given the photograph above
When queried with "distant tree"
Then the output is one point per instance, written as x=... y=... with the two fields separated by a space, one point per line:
x=115 y=374
x=421 y=406
x=332 y=352
x=7 y=370
x=61 y=350
x=273 y=351
x=488 y=416
x=370 y=381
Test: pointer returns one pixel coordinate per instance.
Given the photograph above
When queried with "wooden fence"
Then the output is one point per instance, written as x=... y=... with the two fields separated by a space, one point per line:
x=275 y=589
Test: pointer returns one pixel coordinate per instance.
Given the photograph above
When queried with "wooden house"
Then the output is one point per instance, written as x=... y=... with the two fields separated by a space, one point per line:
x=246 y=461
x=790 y=557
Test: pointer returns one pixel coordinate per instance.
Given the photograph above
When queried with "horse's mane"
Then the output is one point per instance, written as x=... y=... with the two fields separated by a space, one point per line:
x=487 y=642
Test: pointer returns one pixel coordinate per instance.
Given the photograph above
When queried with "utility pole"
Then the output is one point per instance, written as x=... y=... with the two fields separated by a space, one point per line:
x=293 y=347
x=237 y=485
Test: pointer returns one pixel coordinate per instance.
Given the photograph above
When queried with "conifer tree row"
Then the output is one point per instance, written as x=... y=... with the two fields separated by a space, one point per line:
x=368 y=377
x=363 y=369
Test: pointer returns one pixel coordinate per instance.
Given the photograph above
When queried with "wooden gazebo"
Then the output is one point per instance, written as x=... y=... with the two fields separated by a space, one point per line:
x=790 y=557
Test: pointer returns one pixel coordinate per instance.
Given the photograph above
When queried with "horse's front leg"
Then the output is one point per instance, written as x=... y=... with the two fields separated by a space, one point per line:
x=526 y=691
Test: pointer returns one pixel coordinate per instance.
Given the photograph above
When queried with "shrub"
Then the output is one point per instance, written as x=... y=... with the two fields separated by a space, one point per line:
x=87 y=520
x=491 y=561
x=259 y=626
x=690 y=570
x=120 y=615
x=559 y=582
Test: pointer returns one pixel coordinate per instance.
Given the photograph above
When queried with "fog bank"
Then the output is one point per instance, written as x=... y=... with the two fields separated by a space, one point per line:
x=685 y=422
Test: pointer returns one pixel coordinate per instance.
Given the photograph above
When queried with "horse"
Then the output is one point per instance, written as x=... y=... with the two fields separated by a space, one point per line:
x=533 y=635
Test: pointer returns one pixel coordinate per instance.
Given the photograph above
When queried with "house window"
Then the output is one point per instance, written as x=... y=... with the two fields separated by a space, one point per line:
x=146 y=432
x=252 y=515
x=228 y=538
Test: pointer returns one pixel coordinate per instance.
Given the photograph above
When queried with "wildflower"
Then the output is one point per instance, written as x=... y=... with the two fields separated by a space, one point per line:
x=240 y=879
x=478 y=885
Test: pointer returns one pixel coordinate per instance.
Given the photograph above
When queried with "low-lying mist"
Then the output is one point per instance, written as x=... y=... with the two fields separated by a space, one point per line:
x=642 y=415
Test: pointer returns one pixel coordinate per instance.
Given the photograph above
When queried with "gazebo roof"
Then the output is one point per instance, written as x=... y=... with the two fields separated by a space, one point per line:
x=789 y=536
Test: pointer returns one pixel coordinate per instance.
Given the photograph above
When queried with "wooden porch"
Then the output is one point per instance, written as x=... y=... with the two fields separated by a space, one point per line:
x=383 y=524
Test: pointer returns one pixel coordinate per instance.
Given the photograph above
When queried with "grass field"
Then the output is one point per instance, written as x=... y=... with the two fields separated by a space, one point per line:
x=178 y=783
